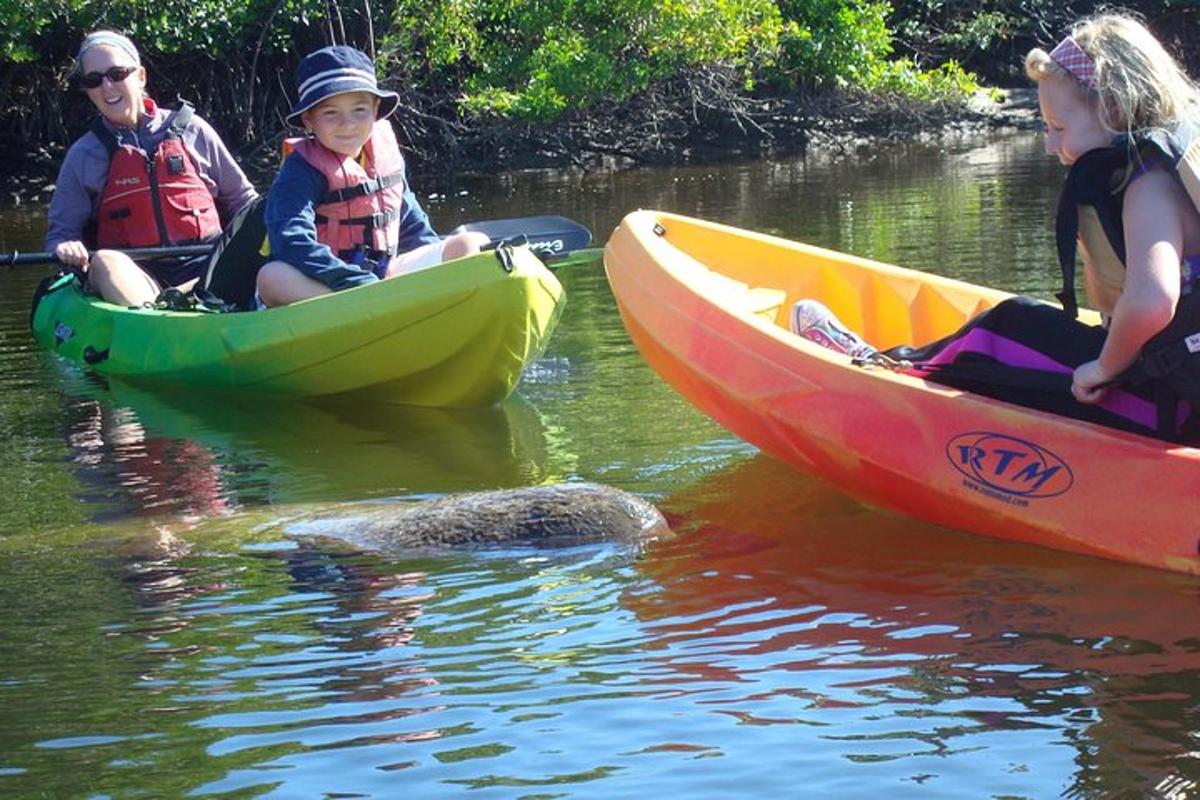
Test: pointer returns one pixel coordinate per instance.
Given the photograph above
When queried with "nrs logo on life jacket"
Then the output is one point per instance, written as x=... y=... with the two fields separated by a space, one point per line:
x=1011 y=466
x=154 y=199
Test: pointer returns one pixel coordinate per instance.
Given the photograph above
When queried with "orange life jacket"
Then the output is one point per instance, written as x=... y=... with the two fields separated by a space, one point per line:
x=361 y=211
x=154 y=199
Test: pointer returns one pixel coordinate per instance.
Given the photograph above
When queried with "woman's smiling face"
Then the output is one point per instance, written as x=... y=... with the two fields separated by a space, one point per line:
x=121 y=102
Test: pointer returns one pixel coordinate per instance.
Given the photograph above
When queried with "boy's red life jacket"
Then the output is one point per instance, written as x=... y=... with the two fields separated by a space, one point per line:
x=359 y=216
x=154 y=199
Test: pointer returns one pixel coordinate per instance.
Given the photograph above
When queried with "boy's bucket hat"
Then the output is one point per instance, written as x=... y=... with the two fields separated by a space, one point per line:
x=337 y=70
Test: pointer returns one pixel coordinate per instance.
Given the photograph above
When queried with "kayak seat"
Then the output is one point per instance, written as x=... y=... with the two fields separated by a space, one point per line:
x=763 y=301
x=766 y=302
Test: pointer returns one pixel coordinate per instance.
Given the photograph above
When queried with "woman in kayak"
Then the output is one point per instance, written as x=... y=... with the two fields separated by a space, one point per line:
x=1122 y=115
x=142 y=176
x=341 y=213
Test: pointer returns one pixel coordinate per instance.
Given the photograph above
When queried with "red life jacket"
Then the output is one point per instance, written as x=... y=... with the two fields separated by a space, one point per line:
x=360 y=214
x=154 y=199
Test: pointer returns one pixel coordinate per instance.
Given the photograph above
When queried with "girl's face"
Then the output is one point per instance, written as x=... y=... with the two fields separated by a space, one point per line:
x=121 y=102
x=343 y=122
x=1072 y=120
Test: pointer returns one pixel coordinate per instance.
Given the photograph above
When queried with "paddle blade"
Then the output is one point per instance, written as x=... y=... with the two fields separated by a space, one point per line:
x=550 y=235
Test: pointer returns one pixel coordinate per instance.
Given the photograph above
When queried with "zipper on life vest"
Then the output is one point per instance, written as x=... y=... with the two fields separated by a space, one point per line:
x=156 y=202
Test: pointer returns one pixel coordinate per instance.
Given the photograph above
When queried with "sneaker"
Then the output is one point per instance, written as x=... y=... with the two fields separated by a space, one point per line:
x=815 y=322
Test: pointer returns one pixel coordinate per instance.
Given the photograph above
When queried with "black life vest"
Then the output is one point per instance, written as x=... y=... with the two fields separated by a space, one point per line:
x=1098 y=180
x=154 y=199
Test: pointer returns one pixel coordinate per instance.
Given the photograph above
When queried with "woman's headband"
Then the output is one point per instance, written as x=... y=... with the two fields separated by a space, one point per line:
x=109 y=39
x=1070 y=56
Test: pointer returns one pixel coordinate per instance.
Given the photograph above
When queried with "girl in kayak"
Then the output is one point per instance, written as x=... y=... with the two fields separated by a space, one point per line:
x=1125 y=119
x=341 y=212
x=106 y=198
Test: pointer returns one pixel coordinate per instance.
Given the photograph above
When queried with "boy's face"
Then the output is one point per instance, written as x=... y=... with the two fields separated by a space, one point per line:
x=343 y=122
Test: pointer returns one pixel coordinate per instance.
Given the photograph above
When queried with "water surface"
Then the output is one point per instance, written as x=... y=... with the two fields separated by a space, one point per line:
x=165 y=637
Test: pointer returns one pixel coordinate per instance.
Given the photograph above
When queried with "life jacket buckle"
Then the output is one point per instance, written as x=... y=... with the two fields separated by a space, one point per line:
x=1162 y=362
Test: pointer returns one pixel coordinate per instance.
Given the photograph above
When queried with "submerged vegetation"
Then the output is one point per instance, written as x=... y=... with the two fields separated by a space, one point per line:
x=504 y=79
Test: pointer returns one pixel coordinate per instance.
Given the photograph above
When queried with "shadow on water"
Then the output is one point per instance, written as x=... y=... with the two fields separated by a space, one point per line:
x=983 y=635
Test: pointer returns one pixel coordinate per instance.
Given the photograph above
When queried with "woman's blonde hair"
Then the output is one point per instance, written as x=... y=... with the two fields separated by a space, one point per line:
x=1139 y=85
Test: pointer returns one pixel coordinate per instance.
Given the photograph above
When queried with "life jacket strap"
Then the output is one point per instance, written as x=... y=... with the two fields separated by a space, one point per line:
x=175 y=127
x=1097 y=179
x=379 y=219
x=368 y=187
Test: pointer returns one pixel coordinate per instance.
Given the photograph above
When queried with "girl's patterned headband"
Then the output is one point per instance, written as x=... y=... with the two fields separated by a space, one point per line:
x=1070 y=56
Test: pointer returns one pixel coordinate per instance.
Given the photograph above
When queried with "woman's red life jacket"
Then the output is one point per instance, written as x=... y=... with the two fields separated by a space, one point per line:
x=360 y=213
x=154 y=199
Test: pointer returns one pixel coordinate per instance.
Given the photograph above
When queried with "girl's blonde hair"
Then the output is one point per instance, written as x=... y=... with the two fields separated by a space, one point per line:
x=1139 y=85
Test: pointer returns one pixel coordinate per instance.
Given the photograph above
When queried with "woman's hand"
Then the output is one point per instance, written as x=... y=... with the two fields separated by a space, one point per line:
x=1090 y=382
x=73 y=254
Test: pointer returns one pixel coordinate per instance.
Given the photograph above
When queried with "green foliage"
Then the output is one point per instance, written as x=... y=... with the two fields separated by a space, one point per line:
x=833 y=41
x=537 y=60
x=216 y=27
x=20 y=22
x=947 y=83
x=530 y=59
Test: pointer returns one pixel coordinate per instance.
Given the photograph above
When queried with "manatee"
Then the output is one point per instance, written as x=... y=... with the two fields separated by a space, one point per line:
x=551 y=515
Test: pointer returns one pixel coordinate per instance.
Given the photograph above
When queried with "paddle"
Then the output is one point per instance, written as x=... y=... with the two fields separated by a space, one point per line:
x=550 y=234
x=17 y=258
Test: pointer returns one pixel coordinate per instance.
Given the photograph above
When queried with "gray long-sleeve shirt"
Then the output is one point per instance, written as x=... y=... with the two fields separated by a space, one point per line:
x=84 y=172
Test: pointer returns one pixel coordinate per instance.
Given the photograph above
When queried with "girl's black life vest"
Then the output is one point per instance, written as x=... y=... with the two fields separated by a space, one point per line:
x=1098 y=180
x=154 y=199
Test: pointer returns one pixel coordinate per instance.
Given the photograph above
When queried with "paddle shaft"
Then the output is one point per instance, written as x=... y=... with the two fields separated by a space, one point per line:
x=551 y=234
x=17 y=258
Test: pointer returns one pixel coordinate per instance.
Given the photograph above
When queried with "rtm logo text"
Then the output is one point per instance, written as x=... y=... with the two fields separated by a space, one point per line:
x=1009 y=465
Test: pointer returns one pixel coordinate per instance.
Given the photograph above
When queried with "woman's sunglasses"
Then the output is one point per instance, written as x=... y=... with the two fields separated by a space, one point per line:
x=91 y=80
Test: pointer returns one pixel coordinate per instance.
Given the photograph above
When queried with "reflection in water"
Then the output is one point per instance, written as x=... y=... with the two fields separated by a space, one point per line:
x=976 y=210
x=199 y=454
x=951 y=638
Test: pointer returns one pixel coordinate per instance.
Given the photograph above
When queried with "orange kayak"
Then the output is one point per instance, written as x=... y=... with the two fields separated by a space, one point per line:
x=707 y=305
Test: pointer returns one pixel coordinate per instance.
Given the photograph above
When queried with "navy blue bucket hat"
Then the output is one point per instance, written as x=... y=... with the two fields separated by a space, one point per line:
x=337 y=70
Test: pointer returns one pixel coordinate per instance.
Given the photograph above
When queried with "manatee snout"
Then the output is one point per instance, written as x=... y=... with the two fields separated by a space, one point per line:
x=554 y=514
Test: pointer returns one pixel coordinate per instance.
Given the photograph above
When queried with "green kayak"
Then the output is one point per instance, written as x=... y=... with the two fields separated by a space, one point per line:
x=459 y=334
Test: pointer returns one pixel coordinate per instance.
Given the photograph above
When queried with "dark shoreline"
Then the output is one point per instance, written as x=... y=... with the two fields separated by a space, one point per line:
x=653 y=131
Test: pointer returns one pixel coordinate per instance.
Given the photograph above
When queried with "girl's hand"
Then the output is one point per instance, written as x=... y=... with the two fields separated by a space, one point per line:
x=73 y=254
x=1090 y=383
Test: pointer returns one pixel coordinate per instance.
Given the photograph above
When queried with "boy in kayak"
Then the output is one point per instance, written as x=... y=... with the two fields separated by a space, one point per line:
x=105 y=195
x=1125 y=119
x=340 y=213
